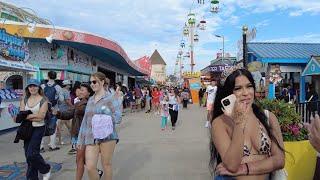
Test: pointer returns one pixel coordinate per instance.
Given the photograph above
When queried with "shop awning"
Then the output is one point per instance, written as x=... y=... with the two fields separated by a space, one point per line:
x=313 y=67
x=104 y=49
x=6 y=65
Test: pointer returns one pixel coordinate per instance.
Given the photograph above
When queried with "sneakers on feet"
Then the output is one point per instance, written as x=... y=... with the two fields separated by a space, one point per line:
x=47 y=175
x=72 y=151
x=53 y=149
x=100 y=172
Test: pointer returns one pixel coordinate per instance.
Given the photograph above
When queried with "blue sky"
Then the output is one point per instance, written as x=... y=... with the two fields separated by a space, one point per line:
x=140 y=26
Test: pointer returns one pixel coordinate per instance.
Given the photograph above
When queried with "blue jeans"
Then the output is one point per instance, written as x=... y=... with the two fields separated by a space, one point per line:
x=32 y=152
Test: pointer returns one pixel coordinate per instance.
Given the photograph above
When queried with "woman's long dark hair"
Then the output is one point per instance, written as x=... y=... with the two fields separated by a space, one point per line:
x=224 y=91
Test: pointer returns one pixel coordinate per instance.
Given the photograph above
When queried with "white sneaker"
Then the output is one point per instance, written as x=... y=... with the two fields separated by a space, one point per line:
x=207 y=124
x=47 y=175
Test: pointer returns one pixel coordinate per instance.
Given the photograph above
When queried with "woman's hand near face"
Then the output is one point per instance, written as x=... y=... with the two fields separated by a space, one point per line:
x=240 y=111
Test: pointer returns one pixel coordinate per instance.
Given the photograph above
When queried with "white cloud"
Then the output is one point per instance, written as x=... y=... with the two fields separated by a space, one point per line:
x=306 y=38
x=263 y=23
x=296 y=13
x=294 y=7
x=233 y=20
x=140 y=26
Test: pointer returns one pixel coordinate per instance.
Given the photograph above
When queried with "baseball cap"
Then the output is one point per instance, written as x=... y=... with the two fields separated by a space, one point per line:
x=33 y=82
x=66 y=82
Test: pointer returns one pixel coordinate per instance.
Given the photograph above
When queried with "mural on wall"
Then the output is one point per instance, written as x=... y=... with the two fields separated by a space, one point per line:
x=13 y=110
x=275 y=74
x=54 y=56
x=44 y=56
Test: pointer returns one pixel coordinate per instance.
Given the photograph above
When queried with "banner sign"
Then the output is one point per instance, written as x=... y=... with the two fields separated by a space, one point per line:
x=13 y=47
x=16 y=65
x=191 y=74
x=215 y=69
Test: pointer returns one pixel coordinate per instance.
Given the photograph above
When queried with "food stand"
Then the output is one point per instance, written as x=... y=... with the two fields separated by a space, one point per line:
x=14 y=70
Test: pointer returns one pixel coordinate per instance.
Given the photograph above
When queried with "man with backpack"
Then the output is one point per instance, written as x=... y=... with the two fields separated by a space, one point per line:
x=52 y=92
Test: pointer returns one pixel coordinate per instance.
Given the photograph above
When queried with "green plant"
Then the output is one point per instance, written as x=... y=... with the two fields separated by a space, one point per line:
x=290 y=122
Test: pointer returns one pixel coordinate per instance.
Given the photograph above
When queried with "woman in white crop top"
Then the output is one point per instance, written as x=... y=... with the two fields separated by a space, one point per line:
x=34 y=101
x=174 y=101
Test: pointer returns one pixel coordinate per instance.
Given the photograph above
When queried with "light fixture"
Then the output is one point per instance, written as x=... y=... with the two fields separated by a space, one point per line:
x=50 y=38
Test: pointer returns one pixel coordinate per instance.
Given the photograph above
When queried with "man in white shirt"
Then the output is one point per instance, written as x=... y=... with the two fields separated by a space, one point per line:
x=211 y=95
x=51 y=84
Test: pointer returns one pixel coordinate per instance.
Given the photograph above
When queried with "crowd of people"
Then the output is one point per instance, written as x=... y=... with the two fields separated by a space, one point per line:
x=246 y=142
x=90 y=111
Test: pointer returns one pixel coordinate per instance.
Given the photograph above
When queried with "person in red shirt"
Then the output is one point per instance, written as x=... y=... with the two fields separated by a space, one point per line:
x=156 y=99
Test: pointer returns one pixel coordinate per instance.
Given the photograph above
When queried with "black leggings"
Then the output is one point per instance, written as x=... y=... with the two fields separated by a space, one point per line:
x=173 y=116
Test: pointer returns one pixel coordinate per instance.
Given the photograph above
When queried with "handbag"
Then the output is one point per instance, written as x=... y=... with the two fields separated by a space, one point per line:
x=175 y=107
x=280 y=174
x=102 y=126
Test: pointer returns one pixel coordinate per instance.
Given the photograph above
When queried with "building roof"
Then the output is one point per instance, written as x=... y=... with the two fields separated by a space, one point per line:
x=108 y=51
x=317 y=58
x=284 y=50
x=156 y=58
x=226 y=60
x=313 y=67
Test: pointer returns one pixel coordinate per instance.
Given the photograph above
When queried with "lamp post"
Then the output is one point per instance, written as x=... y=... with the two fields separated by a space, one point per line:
x=220 y=36
x=244 y=41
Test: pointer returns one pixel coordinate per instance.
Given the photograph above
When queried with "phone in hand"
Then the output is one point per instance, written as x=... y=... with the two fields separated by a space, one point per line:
x=228 y=104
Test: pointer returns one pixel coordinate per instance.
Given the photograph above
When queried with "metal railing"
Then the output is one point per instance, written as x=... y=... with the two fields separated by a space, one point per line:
x=305 y=110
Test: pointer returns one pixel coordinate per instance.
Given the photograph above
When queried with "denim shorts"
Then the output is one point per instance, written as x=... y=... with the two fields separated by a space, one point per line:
x=223 y=177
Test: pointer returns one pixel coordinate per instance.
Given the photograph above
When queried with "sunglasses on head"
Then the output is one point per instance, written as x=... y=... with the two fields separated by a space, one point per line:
x=93 y=82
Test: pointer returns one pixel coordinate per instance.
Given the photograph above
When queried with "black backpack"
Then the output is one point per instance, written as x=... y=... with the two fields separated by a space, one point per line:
x=50 y=92
x=50 y=120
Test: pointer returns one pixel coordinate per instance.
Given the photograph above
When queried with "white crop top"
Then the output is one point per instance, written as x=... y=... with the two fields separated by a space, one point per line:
x=35 y=110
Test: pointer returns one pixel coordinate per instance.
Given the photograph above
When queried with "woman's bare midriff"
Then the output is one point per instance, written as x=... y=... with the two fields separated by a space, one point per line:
x=253 y=158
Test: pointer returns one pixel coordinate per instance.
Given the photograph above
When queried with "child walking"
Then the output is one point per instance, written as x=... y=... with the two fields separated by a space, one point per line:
x=164 y=112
